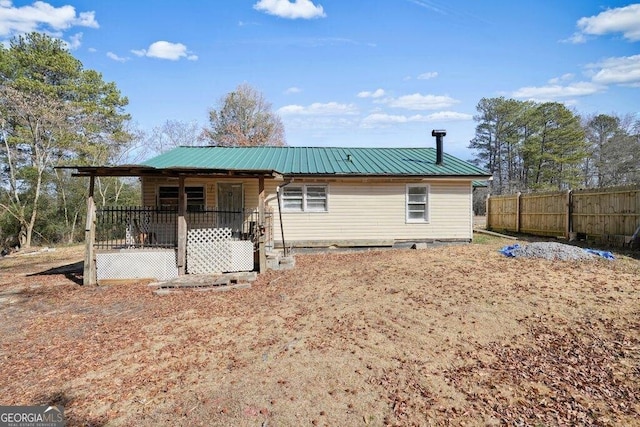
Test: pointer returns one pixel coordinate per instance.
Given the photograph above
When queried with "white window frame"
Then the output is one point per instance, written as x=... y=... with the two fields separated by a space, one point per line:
x=305 y=198
x=427 y=216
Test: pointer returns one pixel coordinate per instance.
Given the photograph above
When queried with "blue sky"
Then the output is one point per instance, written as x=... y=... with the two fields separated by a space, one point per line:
x=351 y=73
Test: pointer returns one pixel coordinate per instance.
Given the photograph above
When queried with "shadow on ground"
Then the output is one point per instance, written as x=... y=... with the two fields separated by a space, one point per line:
x=61 y=398
x=72 y=272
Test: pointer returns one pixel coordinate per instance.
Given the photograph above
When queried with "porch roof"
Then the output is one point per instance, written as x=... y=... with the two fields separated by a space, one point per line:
x=142 y=170
x=320 y=161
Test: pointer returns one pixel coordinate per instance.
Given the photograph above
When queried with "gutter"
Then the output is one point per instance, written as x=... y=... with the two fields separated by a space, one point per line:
x=395 y=176
x=284 y=245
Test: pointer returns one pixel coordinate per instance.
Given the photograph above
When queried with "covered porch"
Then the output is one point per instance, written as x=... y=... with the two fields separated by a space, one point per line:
x=133 y=239
x=126 y=240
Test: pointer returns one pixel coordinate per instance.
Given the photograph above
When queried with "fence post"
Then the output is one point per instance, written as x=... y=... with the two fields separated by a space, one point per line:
x=487 y=212
x=518 y=194
x=569 y=221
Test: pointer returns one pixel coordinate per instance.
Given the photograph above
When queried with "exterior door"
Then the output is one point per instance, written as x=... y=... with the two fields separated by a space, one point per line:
x=230 y=206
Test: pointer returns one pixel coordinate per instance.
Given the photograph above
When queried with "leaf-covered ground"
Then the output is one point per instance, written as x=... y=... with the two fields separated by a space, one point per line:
x=456 y=335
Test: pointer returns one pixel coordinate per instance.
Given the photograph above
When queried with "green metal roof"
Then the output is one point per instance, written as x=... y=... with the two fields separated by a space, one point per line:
x=480 y=184
x=305 y=161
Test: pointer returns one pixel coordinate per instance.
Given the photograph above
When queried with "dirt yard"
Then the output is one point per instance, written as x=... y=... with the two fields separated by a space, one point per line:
x=456 y=335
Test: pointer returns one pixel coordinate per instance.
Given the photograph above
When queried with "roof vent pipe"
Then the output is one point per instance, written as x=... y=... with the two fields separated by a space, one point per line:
x=439 y=134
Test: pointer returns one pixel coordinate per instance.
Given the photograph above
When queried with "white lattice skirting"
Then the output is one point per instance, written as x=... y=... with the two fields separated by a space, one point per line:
x=137 y=264
x=211 y=250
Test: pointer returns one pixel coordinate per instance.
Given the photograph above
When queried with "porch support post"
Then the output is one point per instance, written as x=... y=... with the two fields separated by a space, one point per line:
x=262 y=255
x=182 y=228
x=89 y=275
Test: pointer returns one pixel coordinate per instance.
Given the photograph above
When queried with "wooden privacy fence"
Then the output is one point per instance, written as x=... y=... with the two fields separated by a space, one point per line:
x=609 y=215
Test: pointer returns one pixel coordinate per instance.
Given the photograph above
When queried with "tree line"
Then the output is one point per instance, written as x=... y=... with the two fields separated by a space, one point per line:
x=54 y=112
x=541 y=146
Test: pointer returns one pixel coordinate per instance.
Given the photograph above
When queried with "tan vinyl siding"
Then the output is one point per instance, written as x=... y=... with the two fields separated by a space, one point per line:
x=357 y=210
x=377 y=211
x=250 y=189
x=148 y=192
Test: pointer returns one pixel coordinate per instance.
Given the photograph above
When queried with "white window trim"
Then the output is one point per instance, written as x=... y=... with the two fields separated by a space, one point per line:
x=305 y=209
x=427 y=218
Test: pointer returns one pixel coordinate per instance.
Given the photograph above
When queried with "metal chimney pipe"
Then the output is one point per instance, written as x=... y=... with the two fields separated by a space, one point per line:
x=439 y=134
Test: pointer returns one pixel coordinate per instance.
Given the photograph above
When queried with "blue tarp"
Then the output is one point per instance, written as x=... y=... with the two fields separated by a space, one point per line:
x=508 y=250
x=603 y=254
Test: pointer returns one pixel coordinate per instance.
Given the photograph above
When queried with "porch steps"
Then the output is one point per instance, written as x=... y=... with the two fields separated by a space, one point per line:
x=208 y=282
x=277 y=261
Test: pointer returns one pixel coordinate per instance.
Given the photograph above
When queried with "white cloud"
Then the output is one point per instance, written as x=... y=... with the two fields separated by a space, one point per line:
x=321 y=124
x=576 y=38
x=557 y=91
x=87 y=19
x=418 y=101
x=75 y=41
x=625 y=20
x=166 y=50
x=41 y=16
x=304 y=9
x=562 y=78
x=384 y=119
x=319 y=109
x=115 y=57
x=427 y=76
x=292 y=90
x=623 y=70
x=375 y=94
x=449 y=116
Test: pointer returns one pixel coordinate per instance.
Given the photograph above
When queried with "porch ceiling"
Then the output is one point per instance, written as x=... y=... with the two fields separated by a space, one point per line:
x=140 y=171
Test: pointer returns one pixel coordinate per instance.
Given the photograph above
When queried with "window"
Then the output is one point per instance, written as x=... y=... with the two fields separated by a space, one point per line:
x=316 y=198
x=417 y=203
x=304 y=198
x=168 y=198
x=293 y=199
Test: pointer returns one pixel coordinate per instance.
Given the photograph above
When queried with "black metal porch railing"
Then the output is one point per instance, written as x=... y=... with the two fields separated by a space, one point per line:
x=148 y=227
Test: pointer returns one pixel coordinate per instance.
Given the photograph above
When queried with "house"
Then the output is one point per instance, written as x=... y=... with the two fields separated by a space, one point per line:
x=202 y=204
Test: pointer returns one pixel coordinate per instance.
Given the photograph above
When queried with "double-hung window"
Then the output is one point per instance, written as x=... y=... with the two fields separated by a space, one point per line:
x=417 y=203
x=168 y=198
x=304 y=198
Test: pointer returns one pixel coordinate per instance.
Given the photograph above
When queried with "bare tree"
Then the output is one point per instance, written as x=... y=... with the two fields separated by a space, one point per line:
x=174 y=133
x=33 y=134
x=244 y=118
